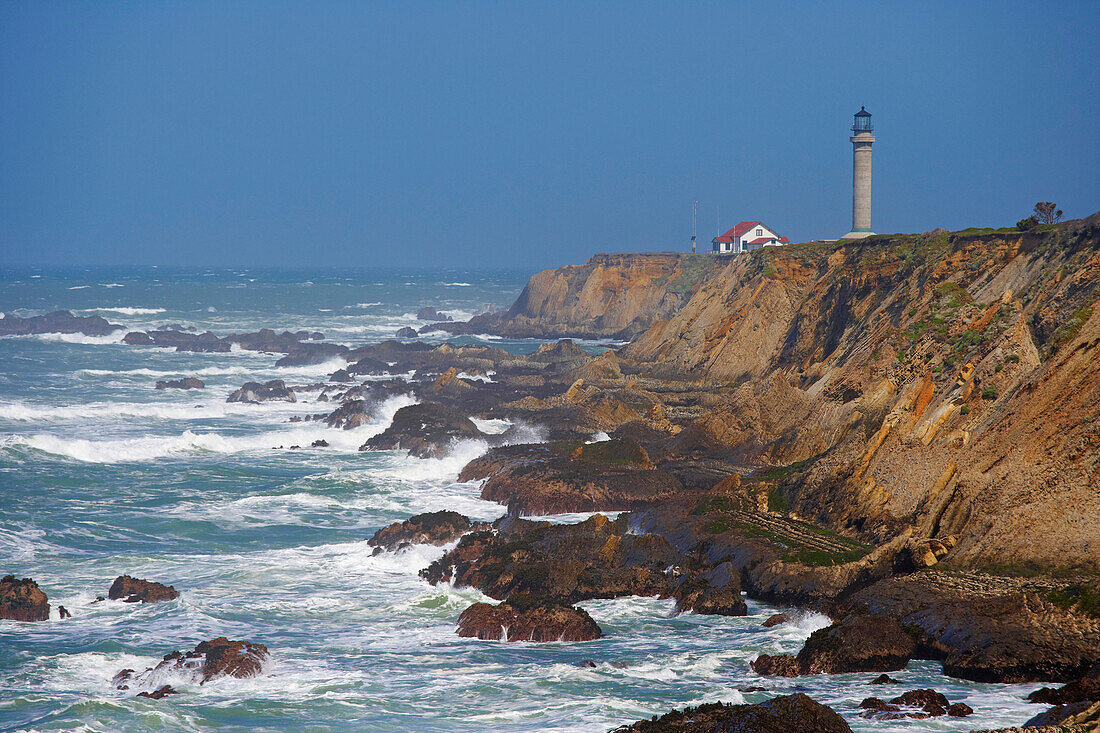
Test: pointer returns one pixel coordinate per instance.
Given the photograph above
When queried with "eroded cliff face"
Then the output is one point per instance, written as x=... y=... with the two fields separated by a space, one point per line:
x=610 y=296
x=945 y=383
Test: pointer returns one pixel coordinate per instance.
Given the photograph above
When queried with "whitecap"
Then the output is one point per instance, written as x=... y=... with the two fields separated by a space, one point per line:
x=125 y=310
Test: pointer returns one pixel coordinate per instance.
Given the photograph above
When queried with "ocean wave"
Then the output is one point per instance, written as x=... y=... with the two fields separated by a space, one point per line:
x=457 y=285
x=363 y=305
x=29 y=412
x=78 y=338
x=79 y=287
x=111 y=285
x=125 y=310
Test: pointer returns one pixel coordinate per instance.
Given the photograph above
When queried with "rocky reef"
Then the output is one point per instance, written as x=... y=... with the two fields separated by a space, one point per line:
x=136 y=590
x=784 y=714
x=220 y=657
x=22 y=600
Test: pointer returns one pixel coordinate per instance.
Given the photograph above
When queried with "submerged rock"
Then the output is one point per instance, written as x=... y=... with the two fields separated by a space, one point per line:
x=855 y=644
x=157 y=694
x=254 y=392
x=784 y=714
x=406 y=333
x=539 y=621
x=928 y=704
x=185 y=383
x=22 y=600
x=136 y=590
x=209 y=660
x=431 y=528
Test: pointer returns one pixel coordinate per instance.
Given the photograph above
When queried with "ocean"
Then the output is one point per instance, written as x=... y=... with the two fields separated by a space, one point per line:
x=101 y=475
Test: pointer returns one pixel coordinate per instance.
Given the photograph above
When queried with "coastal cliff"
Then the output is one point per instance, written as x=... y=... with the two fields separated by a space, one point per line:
x=944 y=383
x=611 y=296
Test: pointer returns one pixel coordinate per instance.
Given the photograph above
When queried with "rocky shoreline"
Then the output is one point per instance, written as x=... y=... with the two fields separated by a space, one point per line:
x=900 y=433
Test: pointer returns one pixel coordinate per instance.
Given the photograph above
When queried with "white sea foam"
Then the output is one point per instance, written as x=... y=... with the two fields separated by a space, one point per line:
x=125 y=310
x=457 y=285
x=112 y=285
x=79 y=287
x=79 y=338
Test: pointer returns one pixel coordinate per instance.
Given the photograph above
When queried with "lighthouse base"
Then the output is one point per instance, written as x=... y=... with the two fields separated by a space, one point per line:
x=857 y=234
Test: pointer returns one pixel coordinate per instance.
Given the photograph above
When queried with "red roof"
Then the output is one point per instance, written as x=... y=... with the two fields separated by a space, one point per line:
x=761 y=240
x=784 y=240
x=723 y=238
x=738 y=230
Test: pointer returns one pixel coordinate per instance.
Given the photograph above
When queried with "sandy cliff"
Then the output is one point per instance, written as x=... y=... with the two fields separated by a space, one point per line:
x=946 y=382
x=610 y=296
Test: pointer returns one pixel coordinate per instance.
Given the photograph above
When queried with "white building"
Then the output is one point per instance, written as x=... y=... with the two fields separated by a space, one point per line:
x=745 y=237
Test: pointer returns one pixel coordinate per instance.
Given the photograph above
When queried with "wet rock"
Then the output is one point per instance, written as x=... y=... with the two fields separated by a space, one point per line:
x=429 y=313
x=56 y=322
x=567 y=563
x=209 y=660
x=160 y=692
x=406 y=333
x=350 y=414
x=254 y=392
x=426 y=430
x=959 y=710
x=185 y=383
x=63 y=613
x=775 y=620
x=928 y=704
x=321 y=443
x=431 y=528
x=570 y=476
x=533 y=621
x=784 y=714
x=855 y=644
x=311 y=353
x=1072 y=717
x=22 y=600
x=884 y=679
x=984 y=636
x=340 y=375
x=717 y=592
x=879 y=706
x=135 y=590
x=1086 y=687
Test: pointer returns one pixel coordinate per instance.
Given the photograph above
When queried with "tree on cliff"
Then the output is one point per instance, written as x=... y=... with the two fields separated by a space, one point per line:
x=1047 y=212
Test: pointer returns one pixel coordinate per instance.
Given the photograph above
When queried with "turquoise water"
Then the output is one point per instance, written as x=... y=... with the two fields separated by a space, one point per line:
x=102 y=475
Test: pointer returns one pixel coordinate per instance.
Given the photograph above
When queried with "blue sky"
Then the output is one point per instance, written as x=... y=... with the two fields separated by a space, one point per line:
x=524 y=134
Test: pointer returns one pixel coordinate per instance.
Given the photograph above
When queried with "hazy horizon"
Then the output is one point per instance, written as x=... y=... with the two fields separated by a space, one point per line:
x=523 y=136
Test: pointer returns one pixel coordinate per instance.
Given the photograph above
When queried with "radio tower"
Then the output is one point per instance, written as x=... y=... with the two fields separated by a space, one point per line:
x=694 y=206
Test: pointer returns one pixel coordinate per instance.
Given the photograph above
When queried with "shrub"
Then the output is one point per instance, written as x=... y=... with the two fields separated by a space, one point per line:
x=989 y=393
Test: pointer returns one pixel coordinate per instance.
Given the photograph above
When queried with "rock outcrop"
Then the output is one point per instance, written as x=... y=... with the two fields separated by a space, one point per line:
x=610 y=296
x=425 y=430
x=22 y=600
x=209 y=660
x=184 y=383
x=531 y=621
x=136 y=590
x=784 y=714
x=254 y=392
x=431 y=528
x=855 y=644
x=56 y=322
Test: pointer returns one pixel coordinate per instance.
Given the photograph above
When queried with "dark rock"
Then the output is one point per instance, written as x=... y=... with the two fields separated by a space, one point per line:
x=157 y=694
x=406 y=333
x=185 y=383
x=56 y=322
x=588 y=664
x=775 y=620
x=1002 y=637
x=426 y=430
x=959 y=710
x=432 y=528
x=855 y=644
x=322 y=443
x=63 y=613
x=884 y=679
x=350 y=414
x=537 y=621
x=877 y=705
x=1060 y=714
x=429 y=313
x=922 y=699
x=340 y=375
x=1086 y=687
x=209 y=660
x=570 y=476
x=22 y=600
x=785 y=714
x=717 y=592
x=310 y=353
x=135 y=590
x=567 y=563
x=254 y=392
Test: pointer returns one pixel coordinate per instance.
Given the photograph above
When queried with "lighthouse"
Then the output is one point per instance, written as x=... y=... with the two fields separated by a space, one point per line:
x=862 y=139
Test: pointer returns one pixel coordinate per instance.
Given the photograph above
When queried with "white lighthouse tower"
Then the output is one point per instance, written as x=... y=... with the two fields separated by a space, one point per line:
x=862 y=139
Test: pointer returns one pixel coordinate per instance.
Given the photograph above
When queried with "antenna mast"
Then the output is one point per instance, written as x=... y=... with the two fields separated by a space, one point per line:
x=694 y=206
